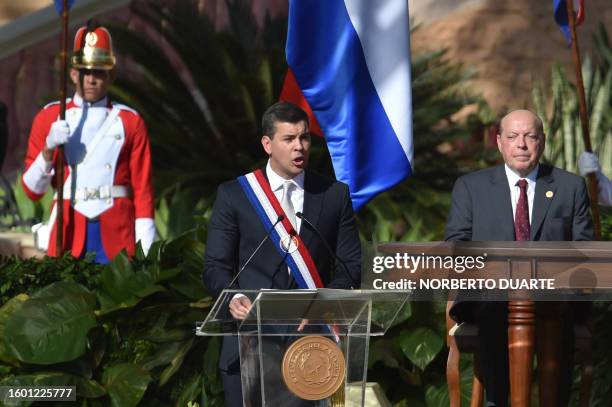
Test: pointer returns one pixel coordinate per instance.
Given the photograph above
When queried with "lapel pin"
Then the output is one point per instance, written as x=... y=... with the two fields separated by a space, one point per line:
x=549 y=194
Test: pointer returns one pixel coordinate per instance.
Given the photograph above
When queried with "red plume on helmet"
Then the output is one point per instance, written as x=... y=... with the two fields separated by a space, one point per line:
x=93 y=49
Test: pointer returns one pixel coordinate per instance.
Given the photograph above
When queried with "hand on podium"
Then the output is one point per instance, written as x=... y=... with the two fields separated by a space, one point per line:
x=240 y=307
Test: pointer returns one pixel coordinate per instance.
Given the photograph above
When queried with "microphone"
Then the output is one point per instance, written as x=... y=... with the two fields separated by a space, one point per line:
x=331 y=252
x=246 y=263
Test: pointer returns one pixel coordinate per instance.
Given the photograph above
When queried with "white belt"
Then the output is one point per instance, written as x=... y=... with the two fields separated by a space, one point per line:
x=103 y=192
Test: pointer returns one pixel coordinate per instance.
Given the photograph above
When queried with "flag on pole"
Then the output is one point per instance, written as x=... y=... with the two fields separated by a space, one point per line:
x=59 y=5
x=560 y=13
x=349 y=64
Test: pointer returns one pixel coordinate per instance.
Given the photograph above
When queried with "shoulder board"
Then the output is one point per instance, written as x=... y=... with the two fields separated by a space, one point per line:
x=126 y=108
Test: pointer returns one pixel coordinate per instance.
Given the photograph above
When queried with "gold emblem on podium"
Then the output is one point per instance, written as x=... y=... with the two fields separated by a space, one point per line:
x=313 y=368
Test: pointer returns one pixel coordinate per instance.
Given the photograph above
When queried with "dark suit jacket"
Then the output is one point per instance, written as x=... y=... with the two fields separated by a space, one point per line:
x=481 y=208
x=235 y=230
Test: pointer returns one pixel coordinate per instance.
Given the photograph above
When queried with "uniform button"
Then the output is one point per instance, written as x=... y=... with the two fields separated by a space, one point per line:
x=108 y=166
x=118 y=137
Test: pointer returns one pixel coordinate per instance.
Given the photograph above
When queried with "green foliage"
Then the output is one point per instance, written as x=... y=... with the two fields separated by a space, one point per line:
x=179 y=211
x=606 y=223
x=125 y=383
x=51 y=326
x=562 y=126
x=124 y=336
x=420 y=345
x=29 y=275
x=18 y=212
x=207 y=133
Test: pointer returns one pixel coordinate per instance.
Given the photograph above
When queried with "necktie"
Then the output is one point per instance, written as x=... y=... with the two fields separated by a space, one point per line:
x=286 y=203
x=521 y=217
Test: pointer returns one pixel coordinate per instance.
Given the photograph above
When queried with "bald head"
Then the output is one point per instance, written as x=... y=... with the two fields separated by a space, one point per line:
x=521 y=141
x=524 y=115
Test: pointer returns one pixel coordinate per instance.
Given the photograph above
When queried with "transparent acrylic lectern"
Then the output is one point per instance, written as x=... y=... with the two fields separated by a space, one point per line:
x=347 y=317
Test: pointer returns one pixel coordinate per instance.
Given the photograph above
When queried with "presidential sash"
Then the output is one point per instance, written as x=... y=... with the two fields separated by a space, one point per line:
x=283 y=235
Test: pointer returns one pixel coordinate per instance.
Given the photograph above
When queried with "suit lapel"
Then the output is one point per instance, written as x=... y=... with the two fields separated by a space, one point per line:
x=313 y=204
x=502 y=203
x=545 y=183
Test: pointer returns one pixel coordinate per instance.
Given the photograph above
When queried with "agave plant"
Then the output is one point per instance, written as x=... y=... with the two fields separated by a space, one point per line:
x=562 y=126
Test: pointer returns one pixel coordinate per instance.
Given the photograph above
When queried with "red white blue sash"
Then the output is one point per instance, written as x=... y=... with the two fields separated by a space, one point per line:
x=285 y=238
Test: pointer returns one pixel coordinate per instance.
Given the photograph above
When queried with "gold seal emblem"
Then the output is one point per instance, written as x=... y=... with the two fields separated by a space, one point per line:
x=91 y=39
x=289 y=244
x=313 y=367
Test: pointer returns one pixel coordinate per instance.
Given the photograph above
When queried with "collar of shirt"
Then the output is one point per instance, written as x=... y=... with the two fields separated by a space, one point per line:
x=78 y=100
x=297 y=196
x=515 y=191
x=276 y=181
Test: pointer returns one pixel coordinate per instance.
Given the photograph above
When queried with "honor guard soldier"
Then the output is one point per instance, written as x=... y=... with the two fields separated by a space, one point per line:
x=108 y=194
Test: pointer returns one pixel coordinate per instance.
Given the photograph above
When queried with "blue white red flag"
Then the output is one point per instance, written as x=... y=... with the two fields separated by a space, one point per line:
x=59 y=5
x=560 y=13
x=349 y=64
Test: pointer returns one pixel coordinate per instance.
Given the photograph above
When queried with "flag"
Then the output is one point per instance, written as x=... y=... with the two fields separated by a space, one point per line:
x=59 y=5
x=349 y=61
x=560 y=14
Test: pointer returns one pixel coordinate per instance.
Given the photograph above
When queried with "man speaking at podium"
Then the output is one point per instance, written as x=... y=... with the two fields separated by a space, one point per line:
x=281 y=227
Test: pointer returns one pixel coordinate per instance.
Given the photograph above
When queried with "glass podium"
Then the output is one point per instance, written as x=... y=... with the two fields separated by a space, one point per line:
x=280 y=318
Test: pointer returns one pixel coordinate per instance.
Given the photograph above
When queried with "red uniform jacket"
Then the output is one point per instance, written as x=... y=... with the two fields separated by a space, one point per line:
x=132 y=169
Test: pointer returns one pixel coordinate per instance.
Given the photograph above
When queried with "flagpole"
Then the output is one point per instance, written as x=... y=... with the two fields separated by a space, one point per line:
x=592 y=180
x=59 y=162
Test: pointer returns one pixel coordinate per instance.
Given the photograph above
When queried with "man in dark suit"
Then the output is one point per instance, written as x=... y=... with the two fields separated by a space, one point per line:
x=235 y=229
x=520 y=200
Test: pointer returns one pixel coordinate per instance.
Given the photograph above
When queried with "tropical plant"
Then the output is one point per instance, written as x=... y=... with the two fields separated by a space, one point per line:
x=121 y=333
x=562 y=126
x=204 y=123
x=17 y=211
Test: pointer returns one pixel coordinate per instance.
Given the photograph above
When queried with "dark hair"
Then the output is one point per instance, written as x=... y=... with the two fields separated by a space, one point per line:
x=281 y=112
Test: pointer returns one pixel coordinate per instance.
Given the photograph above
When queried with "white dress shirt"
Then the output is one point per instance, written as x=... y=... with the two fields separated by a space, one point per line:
x=297 y=196
x=515 y=191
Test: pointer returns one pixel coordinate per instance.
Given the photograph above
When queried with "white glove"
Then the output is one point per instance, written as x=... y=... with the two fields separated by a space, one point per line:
x=588 y=163
x=58 y=134
x=145 y=232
